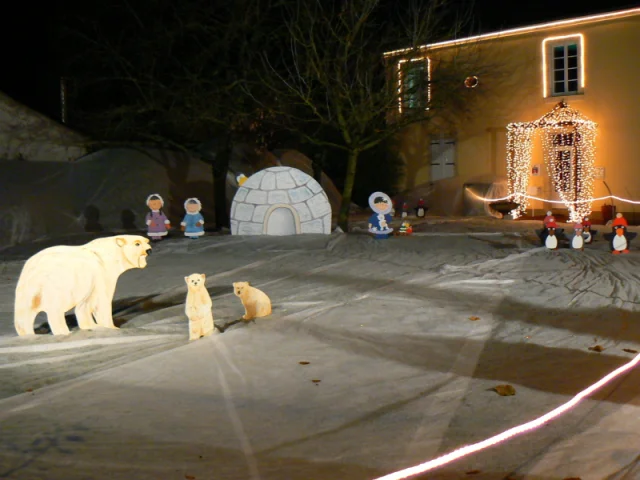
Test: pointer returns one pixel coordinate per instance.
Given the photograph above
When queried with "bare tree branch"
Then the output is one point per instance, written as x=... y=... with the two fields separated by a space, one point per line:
x=170 y=73
x=334 y=76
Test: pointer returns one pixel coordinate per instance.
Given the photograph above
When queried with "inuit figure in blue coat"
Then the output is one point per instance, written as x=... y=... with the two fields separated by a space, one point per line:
x=193 y=222
x=379 y=222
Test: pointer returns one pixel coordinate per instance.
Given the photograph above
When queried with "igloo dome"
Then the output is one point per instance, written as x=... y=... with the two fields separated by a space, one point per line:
x=280 y=201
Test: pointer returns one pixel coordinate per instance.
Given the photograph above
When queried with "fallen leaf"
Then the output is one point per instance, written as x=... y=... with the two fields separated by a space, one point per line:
x=504 y=390
x=597 y=348
x=472 y=472
x=473 y=318
x=190 y=477
x=572 y=478
x=303 y=363
x=629 y=350
x=315 y=381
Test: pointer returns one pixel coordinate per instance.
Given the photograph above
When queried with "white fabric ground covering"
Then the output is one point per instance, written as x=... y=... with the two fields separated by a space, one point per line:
x=405 y=375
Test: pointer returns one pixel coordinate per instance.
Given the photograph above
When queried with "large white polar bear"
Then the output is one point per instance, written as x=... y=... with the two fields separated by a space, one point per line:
x=58 y=279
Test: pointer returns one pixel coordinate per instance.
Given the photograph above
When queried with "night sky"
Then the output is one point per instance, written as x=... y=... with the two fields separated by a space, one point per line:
x=30 y=76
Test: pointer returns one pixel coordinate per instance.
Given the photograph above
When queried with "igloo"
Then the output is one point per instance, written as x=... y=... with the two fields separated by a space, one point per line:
x=280 y=201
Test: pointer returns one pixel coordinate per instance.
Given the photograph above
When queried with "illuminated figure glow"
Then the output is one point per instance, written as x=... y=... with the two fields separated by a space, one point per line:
x=568 y=141
x=461 y=452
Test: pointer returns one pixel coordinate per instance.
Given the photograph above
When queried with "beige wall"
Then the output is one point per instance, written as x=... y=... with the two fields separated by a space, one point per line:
x=510 y=90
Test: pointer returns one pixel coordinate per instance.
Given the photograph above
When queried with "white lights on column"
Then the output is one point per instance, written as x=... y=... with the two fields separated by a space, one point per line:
x=568 y=142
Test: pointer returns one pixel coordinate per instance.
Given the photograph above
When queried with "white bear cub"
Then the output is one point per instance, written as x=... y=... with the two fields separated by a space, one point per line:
x=256 y=303
x=198 y=307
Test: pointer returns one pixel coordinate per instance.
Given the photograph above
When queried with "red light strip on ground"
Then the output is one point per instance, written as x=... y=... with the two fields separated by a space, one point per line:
x=461 y=452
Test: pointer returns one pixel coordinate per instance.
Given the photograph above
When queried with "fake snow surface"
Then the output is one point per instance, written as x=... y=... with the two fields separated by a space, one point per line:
x=398 y=374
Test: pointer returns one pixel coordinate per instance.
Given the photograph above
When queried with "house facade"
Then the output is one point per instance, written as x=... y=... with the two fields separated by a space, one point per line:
x=550 y=110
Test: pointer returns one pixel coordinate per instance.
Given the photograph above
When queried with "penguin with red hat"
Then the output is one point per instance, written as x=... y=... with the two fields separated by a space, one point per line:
x=421 y=209
x=620 y=237
x=577 y=242
x=587 y=232
x=544 y=232
x=405 y=210
x=551 y=240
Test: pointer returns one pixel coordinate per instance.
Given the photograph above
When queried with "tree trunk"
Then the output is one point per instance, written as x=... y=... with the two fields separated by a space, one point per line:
x=220 y=199
x=220 y=167
x=352 y=163
x=317 y=172
x=317 y=164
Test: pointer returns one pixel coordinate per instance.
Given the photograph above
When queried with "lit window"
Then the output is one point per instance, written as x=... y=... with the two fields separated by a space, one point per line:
x=565 y=69
x=413 y=84
x=563 y=65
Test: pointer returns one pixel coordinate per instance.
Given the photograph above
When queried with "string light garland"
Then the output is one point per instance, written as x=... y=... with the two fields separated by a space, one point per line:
x=545 y=52
x=519 y=148
x=400 y=74
x=531 y=197
x=568 y=141
x=512 y=432
x=518 y=31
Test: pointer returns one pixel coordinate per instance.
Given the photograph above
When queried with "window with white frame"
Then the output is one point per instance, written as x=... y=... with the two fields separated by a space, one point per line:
x=563 y=65
x=413 y=84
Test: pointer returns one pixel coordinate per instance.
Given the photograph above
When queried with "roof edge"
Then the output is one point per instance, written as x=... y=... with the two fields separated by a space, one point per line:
x=522 y=30
x=9 y=100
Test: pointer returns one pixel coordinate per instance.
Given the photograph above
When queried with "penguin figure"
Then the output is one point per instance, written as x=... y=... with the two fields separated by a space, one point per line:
x=619 y=243
x=544 y=232
x=587 y=232
x=421 y=210
x=620 y=237
x=551 y=241
x=577 y=242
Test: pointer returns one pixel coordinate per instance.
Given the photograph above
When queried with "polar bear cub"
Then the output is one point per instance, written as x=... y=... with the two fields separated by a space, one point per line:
x=256 y=303
x=198 y=307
